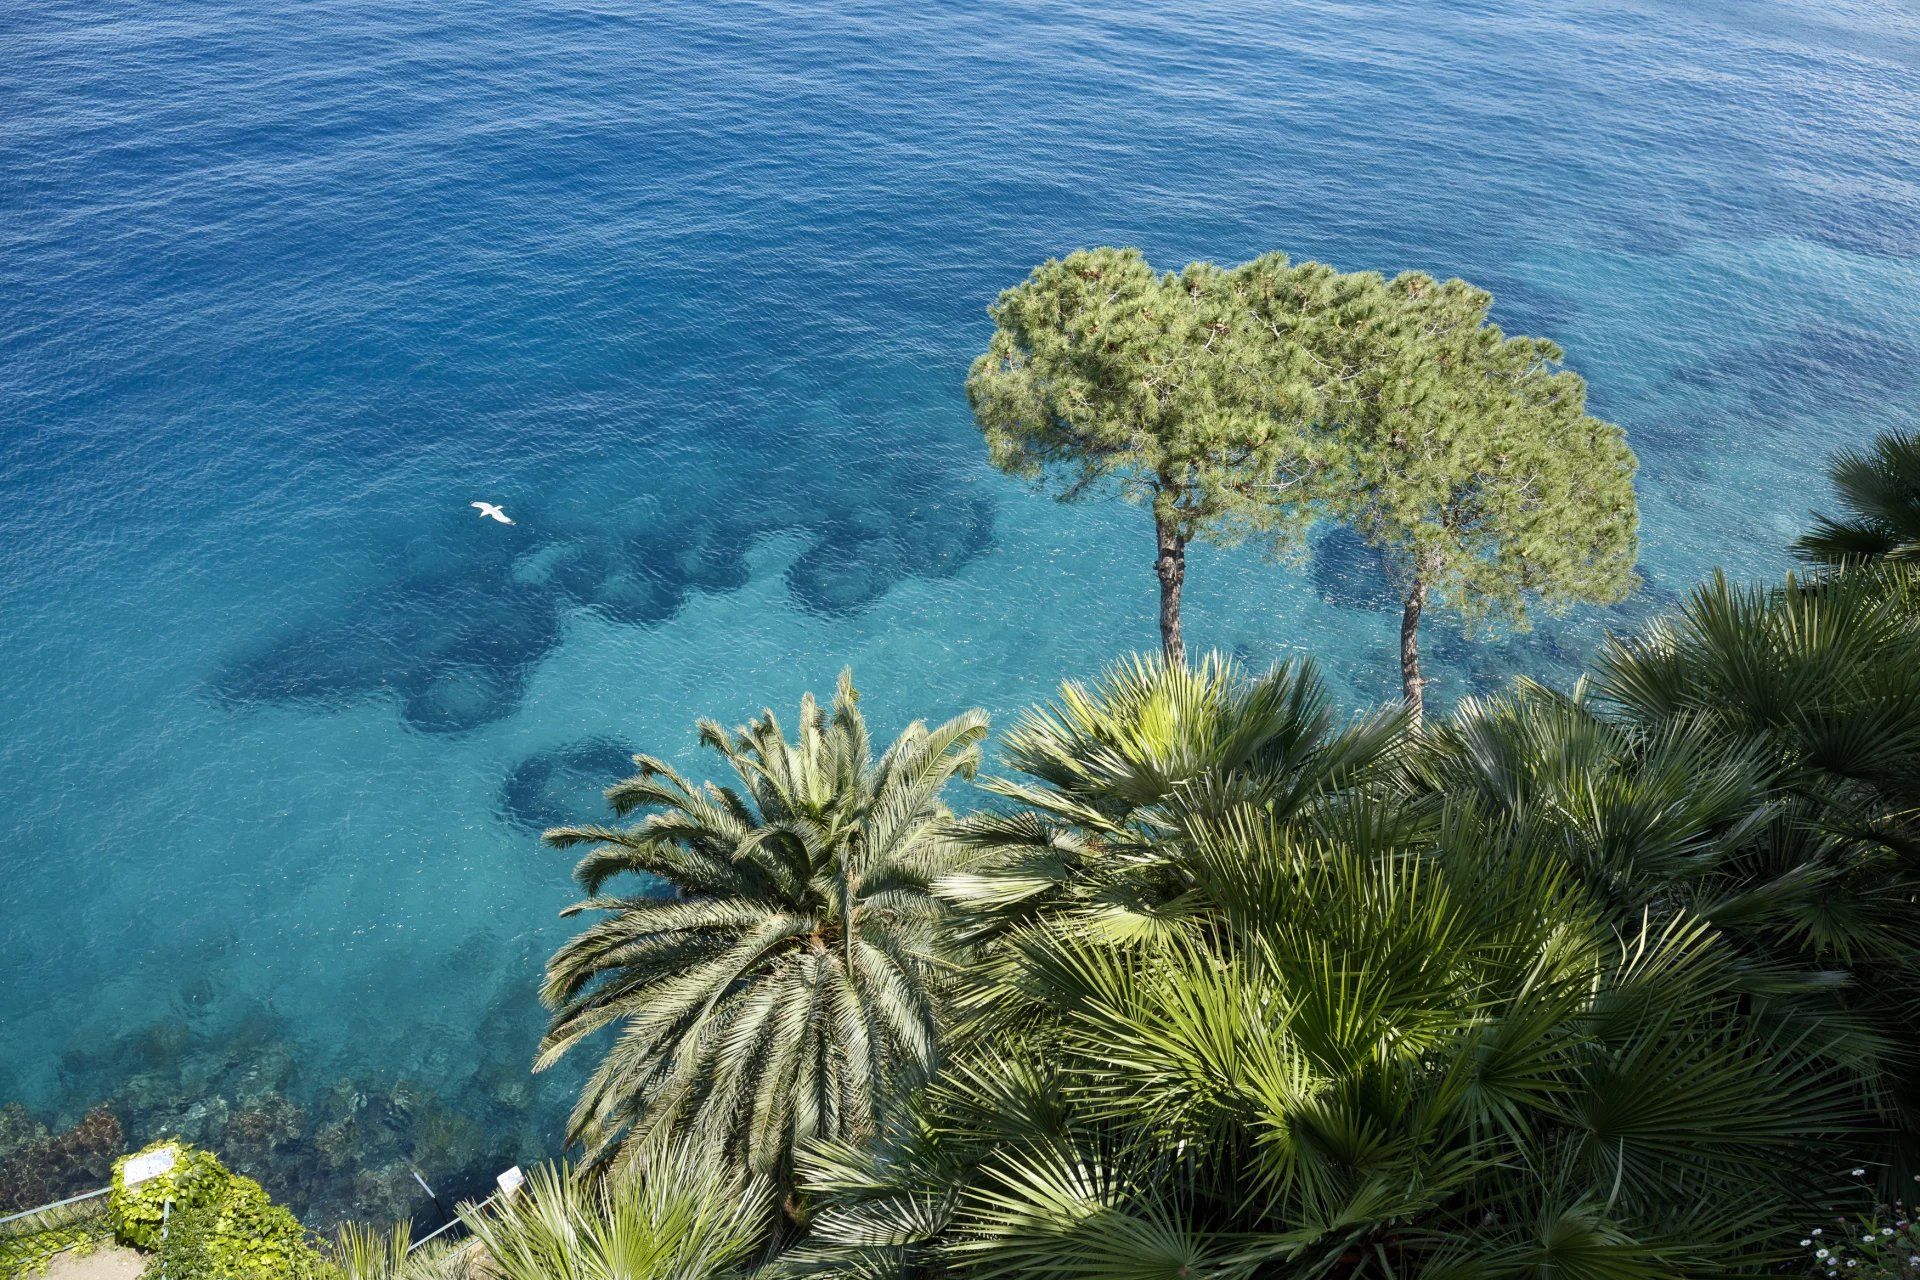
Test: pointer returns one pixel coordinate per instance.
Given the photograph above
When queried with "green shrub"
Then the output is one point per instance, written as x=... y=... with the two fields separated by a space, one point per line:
x=30 y=1254
x=187 y=1250
x=1881 y=1243
x=221 y=1227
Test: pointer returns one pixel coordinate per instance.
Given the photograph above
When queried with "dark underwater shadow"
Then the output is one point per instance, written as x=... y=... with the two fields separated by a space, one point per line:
x=563 y=785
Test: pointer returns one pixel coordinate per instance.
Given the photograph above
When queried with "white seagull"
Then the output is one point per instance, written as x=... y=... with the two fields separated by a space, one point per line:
x=489 y=510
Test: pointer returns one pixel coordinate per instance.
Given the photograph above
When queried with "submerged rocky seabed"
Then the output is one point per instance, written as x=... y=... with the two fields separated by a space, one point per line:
x=458 y=631
x=286 y=716
x=331 y=1146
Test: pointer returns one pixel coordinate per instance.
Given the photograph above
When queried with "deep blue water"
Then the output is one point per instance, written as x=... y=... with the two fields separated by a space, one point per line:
x=691 y=290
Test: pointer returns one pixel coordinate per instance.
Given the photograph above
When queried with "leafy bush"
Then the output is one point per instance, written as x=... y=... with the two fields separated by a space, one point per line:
x=1880 y=1244
x=28 y=1254
x=221 y=1226
x=187 y=1248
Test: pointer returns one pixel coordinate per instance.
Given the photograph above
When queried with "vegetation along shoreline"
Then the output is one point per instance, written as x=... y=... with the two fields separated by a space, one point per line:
x=1188 y=972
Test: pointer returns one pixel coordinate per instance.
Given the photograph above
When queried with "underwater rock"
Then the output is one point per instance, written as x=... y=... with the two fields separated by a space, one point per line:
x=459 y=697
x=444 y=1142
x=338 y=1141
x=19 y=1128
x=204 y=1120
x=53 y=1166
x=249 y=1094
x=949 y=535
x=1803 y=373
x=641 y=580
x=265 y=1075
x=386 y=1193
x=563 y=785
x=253 y=1137
x=845 y=570
x=713 y=557
x=1350 y=574
x=163 y=1045
x=913 y=531
x=456 y=651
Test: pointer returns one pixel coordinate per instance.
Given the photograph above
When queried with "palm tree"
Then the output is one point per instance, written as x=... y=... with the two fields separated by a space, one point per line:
x=791 y=985
x=360 y=1252
x=1814 y=691
x=1116 y=768
x=1357 y=1058
x=680 y=1220
x=1264 y=995
x=1880 y=495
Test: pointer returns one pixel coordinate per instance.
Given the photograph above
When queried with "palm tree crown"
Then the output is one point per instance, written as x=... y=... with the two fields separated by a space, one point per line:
x=1880 y=494
x=1116 y=770
x=790 y=986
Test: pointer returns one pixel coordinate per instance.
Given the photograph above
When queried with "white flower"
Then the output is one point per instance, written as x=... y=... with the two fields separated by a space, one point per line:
x=1820 y=1253
x=1859 y=1173
x=1818 y=1230
x=1886 y=1231
x=1805 y=1243
x=1867 y=1238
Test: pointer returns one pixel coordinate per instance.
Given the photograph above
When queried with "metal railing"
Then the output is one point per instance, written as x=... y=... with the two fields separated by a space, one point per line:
x=91 y=1204
x=456 y=1221
x=82 y=1198
x=31 y=1236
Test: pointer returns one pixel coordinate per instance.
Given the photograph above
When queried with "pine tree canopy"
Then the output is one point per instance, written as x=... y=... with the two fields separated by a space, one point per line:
x=1247 y=401
x=1469 y=459
x=1102 y=370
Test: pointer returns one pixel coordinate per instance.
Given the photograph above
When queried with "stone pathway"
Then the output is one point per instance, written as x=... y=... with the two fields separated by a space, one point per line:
x=110 y=1263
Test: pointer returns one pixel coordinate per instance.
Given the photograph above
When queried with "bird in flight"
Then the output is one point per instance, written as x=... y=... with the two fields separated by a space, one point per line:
x=492 y=512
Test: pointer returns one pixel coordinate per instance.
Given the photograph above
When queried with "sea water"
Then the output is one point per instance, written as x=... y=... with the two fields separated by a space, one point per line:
x=691 y=290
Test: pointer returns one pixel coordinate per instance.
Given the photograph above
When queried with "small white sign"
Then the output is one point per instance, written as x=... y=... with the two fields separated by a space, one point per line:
x=510 y=1182
x=152 y=1164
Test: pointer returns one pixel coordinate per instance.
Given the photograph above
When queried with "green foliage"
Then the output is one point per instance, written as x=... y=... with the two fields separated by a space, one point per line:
x=1116 y=768
x=1469 y=459
x=360 y=1252
x=1102 y=370
x=1879 y=489
x=1266 y=994
x=679 y=1220
x=1881 y=1244
x=187 y=1249
x=791 y=987
x=1246 y=401
x=1815 y=690
x=29 y=1253
x=220 y=1226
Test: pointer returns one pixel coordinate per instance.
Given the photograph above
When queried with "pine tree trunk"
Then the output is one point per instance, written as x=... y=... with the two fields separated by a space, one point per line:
x=1171 y=566
x=1411 y=685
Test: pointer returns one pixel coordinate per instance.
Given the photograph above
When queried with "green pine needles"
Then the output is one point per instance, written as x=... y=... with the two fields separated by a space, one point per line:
x=1247 y=402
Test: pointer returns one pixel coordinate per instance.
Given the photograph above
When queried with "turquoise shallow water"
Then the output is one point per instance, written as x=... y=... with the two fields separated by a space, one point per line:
x=691 y=290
